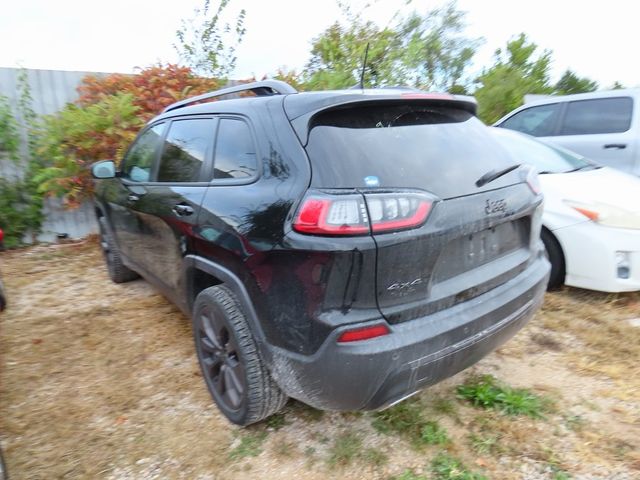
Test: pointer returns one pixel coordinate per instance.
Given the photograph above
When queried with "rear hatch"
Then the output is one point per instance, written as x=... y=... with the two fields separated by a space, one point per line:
x=406 y=172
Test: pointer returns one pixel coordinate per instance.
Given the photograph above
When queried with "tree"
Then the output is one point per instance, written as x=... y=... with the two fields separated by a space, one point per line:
x=337 y=56
x=617 y=86
x=106 y=118
x=570 y=83
x=516 y=72
x=426 y=51
x=437 y=52
x=207 y=43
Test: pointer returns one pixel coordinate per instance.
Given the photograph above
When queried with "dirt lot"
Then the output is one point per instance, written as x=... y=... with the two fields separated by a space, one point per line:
x=100 y=381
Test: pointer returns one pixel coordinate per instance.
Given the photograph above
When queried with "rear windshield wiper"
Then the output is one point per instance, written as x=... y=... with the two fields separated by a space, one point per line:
x=494 y=175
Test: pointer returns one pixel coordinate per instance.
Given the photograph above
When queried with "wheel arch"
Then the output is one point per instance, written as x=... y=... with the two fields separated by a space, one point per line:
x=201 y=273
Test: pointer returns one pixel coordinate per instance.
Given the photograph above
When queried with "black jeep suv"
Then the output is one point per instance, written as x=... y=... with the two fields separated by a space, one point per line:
x=344 y=248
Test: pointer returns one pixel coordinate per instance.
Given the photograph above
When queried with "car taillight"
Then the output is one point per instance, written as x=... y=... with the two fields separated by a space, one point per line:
x=363 y=333
x=325 y=214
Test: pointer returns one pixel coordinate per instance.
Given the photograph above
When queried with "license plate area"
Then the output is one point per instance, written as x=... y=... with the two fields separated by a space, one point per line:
x=479 y=248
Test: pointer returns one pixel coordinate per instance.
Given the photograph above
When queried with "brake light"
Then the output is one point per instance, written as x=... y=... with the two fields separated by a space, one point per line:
x=324 y=214
x=364 y=333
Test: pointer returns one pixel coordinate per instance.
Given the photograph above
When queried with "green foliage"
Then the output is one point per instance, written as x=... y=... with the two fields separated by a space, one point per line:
x=74 y=137
x=484 y=444
x=20 y=202
x=485 y=392
x=617 y=86
x=428 y=51
x=346 y=448
x=407 y=419
x=410 y=475
x=208 y=43
x=250 y=445
x=20 y=211
x=516 y=72
x=437 y=52
x=9 y=136
x=433 y=434
x=570 y=83
x=276 y=421
x=446 y=467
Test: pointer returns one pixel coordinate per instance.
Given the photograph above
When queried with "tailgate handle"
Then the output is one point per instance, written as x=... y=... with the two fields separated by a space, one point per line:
x=182 y=210
x=619 y=146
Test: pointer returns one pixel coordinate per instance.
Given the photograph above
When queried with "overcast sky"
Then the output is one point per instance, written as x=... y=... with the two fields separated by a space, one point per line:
x=596 y=39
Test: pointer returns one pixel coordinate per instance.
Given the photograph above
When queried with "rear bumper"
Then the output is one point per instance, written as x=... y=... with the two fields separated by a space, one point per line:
x=375 y=373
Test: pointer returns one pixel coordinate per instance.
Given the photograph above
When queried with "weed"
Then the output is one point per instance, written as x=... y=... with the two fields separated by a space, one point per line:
x=446 y=467
x=433 y=434
x=561 y=475
x=443 y=405
x=485 y=391
x=484 y=444
x=402 y=418
x=250 y=446
x=346 y=448
x=374 y=457
x=276 y=421
x=410 y=475
x=407 y=419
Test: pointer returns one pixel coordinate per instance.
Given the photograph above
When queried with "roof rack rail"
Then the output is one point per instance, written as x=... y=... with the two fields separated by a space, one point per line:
x=264 y=88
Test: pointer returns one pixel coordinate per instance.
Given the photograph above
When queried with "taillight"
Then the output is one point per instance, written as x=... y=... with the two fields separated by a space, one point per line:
x=397 y=211
x=363 y=333
x=325 y=214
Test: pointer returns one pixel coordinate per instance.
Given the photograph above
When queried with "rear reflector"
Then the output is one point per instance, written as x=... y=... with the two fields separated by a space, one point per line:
x=364 y=333
x=326 y=214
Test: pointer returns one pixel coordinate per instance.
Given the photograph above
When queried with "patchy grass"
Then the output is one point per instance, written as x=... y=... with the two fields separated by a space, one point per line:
x=100 y=381
x=446 y=467
x=407 y=419
x=250 y=445
x=346 y=448
x=484 y=391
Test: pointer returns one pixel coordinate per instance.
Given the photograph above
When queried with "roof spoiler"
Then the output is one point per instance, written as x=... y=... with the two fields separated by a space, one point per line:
x=264 y=88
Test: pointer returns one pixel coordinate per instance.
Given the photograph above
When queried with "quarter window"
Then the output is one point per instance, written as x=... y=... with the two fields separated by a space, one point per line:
x=235 y=151
x=185 y=150
x=537 y=121
x=604 y=115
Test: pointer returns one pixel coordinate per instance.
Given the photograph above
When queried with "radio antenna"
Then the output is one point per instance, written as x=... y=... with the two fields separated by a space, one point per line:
x=364 y=66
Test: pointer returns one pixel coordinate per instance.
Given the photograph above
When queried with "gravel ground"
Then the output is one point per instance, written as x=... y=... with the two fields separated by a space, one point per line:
x=99 y=380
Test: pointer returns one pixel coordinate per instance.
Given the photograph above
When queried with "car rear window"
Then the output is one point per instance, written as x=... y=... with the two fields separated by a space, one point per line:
x=439 y=149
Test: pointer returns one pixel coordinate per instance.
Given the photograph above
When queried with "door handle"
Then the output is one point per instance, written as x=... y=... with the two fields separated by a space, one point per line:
x=182 y=210
x=619 y=146
x=133 y=198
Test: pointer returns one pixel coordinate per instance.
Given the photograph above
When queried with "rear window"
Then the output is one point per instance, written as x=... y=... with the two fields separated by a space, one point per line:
x=439 y=149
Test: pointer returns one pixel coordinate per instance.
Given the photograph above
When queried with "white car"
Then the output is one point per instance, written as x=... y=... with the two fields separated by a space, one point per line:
x=591 y=220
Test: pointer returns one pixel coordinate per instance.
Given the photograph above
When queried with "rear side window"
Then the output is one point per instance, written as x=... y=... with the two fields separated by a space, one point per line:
x=604 y=115
x=536 y=121
x=235 y=151
x=142 y=154
x=440 y=149
x=185 y=149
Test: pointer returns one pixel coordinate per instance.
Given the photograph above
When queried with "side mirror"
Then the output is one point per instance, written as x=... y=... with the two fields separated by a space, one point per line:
x=103 y=169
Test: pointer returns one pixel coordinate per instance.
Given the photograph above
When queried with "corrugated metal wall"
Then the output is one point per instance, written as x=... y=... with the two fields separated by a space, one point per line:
x=51 y=91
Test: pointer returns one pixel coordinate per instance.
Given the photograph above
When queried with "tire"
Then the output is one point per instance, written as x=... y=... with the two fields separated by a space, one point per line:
x=556 y=257
x=118 y=272
x=233 y=370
